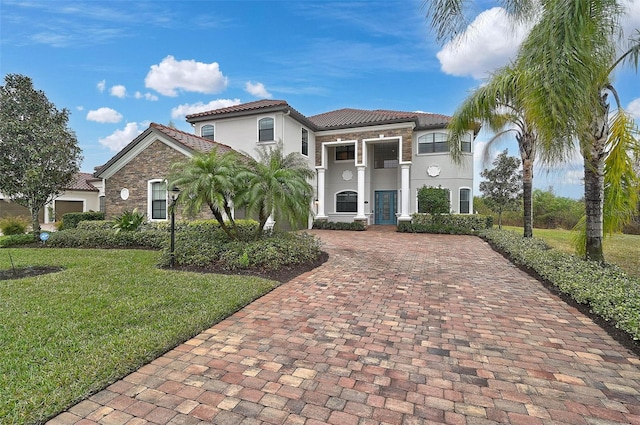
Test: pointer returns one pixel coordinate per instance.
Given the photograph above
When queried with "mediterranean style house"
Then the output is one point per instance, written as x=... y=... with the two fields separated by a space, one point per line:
x=369 y=164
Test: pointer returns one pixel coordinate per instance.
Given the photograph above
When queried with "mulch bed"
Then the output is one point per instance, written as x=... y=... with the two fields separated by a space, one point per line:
x=22 y=272
x=281 y=275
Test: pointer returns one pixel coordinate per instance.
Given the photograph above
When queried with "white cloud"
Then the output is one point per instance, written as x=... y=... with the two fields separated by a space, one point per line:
x=104 y=115
x=121 y=138
x=631 y=21
x=179 y=112
x=573 y=177
x=118 y=91
x=257 y=90
x=80 y=108
x=101 y=85
x=172 y=75
x=488 y=43
x=147 y=96
x=634 y=108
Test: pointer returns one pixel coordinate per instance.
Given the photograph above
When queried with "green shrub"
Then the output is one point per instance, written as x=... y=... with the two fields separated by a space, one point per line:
x=14 y=240
x=95 y=225
x=246 y=228
x=607 y=290
x=128 y=221
x=71 y=220
x=336 y=225
x=197 y=248
x=454 y=224
x=14 y=225
x=433 y=200
x=107 y=238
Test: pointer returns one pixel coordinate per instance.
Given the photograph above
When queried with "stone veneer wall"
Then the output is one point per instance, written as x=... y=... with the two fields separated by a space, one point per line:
x=406 y=133
x=152 y=163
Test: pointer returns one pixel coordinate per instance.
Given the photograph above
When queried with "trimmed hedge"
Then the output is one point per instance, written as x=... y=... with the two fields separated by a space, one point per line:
x=606 y=289
x=333 y=225
x=71 y=220
x=15 y=240
x=107 y=238
x=454 y=224
x=196 y=246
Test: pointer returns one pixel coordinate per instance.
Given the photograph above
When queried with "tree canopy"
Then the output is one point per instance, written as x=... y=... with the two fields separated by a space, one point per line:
x=503 y=188
x=39 y=153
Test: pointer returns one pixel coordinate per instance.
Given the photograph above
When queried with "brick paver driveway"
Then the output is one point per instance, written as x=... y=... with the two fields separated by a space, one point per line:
x=393 y=329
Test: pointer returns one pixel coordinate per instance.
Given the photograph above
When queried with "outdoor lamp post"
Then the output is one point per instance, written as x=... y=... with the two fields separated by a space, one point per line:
x=175 y=192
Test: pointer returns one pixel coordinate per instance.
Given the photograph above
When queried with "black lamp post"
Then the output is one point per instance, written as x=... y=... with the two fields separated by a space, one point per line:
x=175 y=192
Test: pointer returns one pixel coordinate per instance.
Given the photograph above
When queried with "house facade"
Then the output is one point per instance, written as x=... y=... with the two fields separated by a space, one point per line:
x=369 y=164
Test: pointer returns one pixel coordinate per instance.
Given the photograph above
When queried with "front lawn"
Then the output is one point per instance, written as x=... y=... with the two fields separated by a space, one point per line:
x=68 y=334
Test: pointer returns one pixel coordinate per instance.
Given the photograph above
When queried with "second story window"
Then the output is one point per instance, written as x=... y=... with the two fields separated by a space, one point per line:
x=208 y=132
x=432 y=143
x=345 y=153
x=305 y=142
x=465 y=145
x=265 y=130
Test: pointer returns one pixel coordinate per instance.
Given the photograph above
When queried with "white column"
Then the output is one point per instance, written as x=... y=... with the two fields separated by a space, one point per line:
x=321 y=213
x=360 y=215
x=406 y=191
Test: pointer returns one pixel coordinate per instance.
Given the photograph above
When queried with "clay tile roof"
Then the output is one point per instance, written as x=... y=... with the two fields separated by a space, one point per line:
x=81 y=181
x=189 y=140
x=250 y=106
x=345 y=118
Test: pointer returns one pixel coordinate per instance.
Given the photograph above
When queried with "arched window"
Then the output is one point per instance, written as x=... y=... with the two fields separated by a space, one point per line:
x=265 y=130
x=433 y=142
x=208 y=132
x=347 y=201
x=465 y=201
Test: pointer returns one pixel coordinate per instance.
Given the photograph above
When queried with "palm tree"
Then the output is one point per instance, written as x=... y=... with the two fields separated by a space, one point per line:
x=569 y=56
x=277 y=183
x=573 y=52
x=498 y=105
x=208 y=180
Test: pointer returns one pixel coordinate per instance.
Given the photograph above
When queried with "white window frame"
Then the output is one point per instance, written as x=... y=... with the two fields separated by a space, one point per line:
x=335 y=200
x=470 y=200
x=150 y=184
x=202 y=131
x=273 y=119
x=432 y=134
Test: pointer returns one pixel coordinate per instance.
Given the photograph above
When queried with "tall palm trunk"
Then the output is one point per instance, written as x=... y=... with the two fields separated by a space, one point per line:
x=593 y=152
x=526 y=143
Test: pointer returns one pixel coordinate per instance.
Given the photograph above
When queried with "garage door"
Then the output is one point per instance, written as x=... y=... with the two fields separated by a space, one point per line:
x=11 y=209
x=63 y=207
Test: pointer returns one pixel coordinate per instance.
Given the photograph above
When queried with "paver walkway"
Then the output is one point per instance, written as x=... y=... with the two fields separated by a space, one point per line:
x=393 y=329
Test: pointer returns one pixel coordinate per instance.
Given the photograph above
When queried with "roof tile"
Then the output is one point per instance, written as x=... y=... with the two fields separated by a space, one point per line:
x=258 y=104
x=189 y=140
x=82 y=181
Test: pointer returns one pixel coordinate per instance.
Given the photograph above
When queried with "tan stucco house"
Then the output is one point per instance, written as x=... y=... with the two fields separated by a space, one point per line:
x=369 y=163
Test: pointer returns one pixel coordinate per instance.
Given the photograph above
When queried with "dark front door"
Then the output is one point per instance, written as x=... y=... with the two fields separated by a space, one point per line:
x=385 y=210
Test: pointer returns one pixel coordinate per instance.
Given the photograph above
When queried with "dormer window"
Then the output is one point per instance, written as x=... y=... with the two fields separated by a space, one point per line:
x=265 y=130
x=208 y=132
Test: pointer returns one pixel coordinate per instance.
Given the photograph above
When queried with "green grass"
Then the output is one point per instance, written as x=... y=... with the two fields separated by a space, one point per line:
x=619 y=249
x=66 y=335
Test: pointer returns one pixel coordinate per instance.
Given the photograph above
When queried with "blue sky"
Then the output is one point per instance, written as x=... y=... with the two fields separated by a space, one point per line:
x=119 y=65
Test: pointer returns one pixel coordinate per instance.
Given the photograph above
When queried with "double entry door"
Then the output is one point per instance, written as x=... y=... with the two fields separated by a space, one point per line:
x=385 y=206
